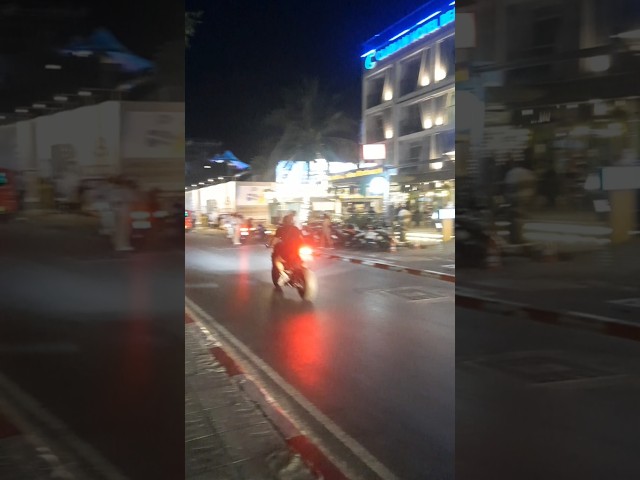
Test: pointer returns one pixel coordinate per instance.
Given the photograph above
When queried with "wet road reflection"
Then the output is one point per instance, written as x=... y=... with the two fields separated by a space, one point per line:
x=377 y=364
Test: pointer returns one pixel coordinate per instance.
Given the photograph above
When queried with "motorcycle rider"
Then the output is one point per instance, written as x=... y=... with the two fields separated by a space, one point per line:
x=286 y=243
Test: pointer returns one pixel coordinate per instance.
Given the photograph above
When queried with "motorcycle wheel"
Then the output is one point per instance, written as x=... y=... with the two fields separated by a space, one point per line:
x=309 y=287
x=275 y=275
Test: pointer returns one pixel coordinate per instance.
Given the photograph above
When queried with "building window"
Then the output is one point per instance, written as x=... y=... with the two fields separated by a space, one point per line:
x=411 y=120
x=374 y=88
x=375 y=129
x=409 y=75
x=444 y=142
x=426 y=108
x=446 y=63
x=426 y=69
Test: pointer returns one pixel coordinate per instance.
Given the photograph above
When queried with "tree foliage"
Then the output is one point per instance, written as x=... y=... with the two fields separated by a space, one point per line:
x=311 y=125
x=192 y=19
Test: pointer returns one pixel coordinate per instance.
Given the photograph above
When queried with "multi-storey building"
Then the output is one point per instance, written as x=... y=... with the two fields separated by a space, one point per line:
x=408 y=103
x=557 y=80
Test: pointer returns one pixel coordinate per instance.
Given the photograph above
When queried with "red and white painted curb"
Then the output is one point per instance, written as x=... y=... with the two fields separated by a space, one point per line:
x=317 y=461
x=447 y=277
x=577 y=320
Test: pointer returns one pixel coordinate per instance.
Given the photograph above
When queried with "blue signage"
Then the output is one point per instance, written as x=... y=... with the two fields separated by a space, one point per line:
x=424 y=27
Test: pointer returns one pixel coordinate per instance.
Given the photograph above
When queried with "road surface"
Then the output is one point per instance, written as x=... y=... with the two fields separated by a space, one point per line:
x=374 y=353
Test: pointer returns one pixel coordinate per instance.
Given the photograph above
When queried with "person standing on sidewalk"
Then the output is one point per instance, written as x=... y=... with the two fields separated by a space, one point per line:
x=102 y=205
x=121 y=199
x=404 y=218
x=326 y=240
x=236 y=222
x=417 y=216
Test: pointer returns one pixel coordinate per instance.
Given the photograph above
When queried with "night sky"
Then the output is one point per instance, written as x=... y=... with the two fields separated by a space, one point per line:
x=245 y=52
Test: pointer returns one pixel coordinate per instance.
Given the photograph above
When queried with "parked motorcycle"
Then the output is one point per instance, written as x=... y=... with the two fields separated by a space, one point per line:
x=300 y=276
x=374 y=239
x=473 y=241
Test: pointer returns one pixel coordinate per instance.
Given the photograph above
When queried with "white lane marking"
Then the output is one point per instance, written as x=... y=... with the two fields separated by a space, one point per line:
x=358 y=450
x=449 y=266
x=30 y=406
x=627 y=302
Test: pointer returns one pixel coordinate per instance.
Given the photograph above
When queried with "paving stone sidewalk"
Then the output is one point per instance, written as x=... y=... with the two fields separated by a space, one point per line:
x=227 y=436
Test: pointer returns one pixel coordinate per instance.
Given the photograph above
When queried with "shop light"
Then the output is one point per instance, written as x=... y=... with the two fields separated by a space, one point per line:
x=592 y=182
x=388 y=133
x=60 y=98
x=436 y=165
x=428 y=123
x=439 y=120
x=207 y=166
x=388 y=95
x=580 y=131
x=440 y=74
x=599 y=63
x=425 y=80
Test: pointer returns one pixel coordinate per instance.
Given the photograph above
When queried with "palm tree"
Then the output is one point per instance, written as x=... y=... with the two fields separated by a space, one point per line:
x=310 y=126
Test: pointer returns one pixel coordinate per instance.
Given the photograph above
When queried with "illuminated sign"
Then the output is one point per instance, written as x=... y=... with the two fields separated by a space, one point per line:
x=300 y=172
x=424 y=27
x=374 y=151
x=357 y=173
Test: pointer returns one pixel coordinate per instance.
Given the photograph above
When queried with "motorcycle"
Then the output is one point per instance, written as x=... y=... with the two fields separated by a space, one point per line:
x=374 y=239
x=300 y=276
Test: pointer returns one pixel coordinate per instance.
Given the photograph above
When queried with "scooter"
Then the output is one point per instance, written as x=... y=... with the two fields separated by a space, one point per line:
x=300 y=276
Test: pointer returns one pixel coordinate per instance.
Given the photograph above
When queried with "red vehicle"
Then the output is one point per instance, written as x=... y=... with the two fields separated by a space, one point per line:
x=8 y=194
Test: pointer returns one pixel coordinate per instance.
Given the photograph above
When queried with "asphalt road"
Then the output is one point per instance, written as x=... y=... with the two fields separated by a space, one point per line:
x=97 y=340
x=537 y=401
x=371 y=355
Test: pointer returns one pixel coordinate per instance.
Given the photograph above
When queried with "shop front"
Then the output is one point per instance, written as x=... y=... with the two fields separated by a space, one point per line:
x=360 y=192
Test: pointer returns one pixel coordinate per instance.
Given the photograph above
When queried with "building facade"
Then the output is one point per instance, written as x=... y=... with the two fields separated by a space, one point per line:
x=408 y=104
x=555 y=80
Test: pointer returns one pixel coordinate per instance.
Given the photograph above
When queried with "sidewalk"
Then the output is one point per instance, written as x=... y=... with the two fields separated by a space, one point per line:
x=438 y=257
x=227 y=435
x=603 y=283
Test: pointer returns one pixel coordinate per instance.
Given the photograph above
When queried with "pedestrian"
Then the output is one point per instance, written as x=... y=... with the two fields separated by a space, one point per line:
x=404 y=218
x=236 y=222
x=326 y=240
x=417 y=216
x=102 y=205
x=121 y=200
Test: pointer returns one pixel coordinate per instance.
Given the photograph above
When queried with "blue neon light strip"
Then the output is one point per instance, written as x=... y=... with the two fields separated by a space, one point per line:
x=428 y=18
x=421 y=29
x=399 y=35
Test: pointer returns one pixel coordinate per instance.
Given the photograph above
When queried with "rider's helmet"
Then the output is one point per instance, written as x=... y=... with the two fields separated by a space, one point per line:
x=287 y=219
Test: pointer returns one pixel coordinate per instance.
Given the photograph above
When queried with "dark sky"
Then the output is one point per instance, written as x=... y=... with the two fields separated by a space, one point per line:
x=141 y=25
x=245 y=51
